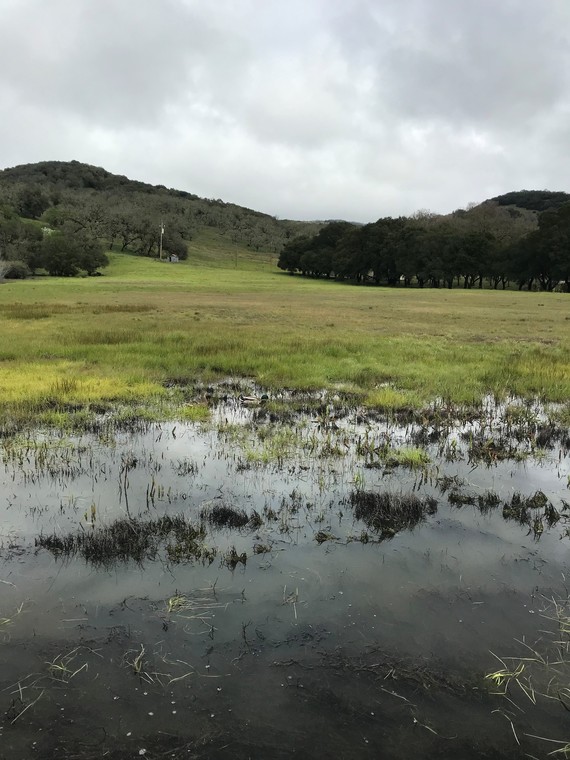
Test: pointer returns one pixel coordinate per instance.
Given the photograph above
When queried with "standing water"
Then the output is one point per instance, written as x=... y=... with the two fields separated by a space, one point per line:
x=295 y=578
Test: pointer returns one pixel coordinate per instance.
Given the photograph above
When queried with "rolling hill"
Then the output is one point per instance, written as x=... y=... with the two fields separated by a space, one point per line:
x=115 y=208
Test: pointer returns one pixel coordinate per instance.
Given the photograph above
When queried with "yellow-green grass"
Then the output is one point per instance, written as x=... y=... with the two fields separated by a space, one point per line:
x=406 y=456
x=125 y=336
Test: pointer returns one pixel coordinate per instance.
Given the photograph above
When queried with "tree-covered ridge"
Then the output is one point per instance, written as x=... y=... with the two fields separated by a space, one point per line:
x=71 y=175
x=487 y=245
x=534 y=200
x=126 y=214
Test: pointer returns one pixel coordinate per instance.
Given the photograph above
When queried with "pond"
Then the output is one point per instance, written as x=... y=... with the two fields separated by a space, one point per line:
x=297 y=577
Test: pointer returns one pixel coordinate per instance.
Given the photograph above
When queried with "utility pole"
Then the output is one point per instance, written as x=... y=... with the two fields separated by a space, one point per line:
x=160 y=246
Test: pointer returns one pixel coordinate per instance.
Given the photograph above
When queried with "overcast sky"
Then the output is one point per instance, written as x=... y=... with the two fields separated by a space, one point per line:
x=307 y=109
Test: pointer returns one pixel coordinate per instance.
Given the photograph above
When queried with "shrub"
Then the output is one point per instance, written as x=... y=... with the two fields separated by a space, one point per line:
x=15 y=270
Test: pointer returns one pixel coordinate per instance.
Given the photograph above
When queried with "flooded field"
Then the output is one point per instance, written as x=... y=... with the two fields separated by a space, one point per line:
x=297 y=577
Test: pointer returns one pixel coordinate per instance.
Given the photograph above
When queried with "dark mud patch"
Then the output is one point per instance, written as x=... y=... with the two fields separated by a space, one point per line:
x=296 y=696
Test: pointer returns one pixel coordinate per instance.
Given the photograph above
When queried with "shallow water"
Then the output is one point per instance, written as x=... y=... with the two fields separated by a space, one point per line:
x=356 y=646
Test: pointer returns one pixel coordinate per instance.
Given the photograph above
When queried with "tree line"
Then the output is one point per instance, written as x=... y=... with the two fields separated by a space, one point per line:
x=26 y=247
x=489 y=245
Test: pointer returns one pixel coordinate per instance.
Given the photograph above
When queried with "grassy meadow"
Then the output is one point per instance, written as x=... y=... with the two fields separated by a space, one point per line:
x=145 y=326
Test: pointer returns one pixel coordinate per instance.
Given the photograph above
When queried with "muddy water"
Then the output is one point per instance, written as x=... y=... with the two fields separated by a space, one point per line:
x=326 y=638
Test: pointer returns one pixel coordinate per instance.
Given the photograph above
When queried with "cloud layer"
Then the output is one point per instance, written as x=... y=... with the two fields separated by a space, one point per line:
x=305 y=109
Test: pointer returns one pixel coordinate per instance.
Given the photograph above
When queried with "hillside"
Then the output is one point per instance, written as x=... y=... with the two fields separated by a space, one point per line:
x=126 y=213
x=533 y=200
x=504 y=239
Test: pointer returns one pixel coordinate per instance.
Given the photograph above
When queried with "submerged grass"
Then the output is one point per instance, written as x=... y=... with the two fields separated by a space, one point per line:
x=388 y=513
x=534 y=512
x=118 y=338
x=539 y=676
x=6 y=622
x=136 y=539
x=224 y=516
x=127 y=540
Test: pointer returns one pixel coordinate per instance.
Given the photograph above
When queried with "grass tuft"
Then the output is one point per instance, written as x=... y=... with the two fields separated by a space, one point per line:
x=125 y=540
x=388 y=513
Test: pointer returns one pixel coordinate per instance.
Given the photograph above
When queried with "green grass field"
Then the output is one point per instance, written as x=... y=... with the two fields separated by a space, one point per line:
x=227 y=311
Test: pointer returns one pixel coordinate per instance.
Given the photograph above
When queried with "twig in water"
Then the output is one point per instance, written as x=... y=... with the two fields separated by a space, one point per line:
x=27 y=707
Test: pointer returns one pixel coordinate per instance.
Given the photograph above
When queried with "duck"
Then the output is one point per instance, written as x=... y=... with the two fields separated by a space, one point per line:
x=253 y=400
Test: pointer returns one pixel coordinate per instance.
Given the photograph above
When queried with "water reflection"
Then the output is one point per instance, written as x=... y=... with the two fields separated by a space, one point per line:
x=327 y=585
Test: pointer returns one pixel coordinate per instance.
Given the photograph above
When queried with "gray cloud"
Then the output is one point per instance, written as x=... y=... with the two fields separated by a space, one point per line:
x=106 y=61
x=309 y=109
x=485 y=64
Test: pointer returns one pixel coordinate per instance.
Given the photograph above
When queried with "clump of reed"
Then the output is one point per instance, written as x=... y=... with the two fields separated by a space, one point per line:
x=519 y=508
x=407 y=456
x=388 y=513
x=489 y=450
x=459 y=499
x=484 y=502
x=124 y=540
x=533 y=511
x=232 y=558
x=224 y=516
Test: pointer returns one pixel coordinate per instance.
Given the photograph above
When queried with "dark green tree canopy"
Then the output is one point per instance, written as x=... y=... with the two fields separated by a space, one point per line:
x=487 y=245
x=31 y=201
x=65 y=254
x=533 y=200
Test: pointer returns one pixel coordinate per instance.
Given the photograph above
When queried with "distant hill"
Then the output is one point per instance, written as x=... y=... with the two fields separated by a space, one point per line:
x=74 y=175
x=126 y=214
x=110 y=206
x=534 y=200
